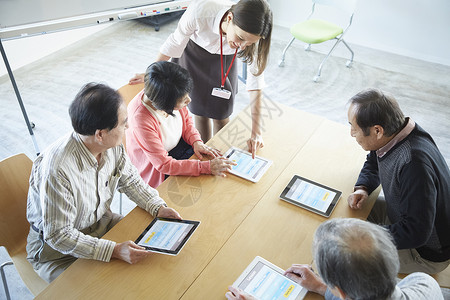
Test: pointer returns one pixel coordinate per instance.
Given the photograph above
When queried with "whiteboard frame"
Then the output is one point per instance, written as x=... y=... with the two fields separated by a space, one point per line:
x=38 y=28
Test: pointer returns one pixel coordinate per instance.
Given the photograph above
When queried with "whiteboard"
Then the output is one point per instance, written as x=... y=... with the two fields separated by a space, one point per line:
x=20 y=18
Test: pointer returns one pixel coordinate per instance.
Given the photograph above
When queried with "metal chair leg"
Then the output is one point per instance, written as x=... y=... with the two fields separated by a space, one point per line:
x=349 y=62
x=316 y=78
x=281 y=64
x=5 y=284
x=120 y=203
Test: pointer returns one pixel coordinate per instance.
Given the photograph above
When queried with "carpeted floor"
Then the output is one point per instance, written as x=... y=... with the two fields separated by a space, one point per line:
x=114 y=54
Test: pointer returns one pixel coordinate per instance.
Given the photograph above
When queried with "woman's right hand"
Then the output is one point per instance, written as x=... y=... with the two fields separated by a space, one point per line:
x=220 y=165
x=138 y=78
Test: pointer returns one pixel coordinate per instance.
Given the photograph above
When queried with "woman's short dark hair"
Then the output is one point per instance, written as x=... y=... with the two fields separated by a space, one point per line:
x=95 y=107
x=165 y=84
x=373 y=107
x=255 y=17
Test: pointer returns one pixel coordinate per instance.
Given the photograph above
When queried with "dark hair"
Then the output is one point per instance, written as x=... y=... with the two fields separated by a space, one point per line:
x=95 y=107
x=356 y=256
x=373 y=107
x=165 y=84
x=255 y=17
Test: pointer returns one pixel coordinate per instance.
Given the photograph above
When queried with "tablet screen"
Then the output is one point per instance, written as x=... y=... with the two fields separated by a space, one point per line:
x=311 y=195
x=166 y=235
x=247 y=167
x=264 y=281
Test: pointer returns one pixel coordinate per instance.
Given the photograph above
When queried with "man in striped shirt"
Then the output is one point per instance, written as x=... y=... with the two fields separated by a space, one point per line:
x=72 y=185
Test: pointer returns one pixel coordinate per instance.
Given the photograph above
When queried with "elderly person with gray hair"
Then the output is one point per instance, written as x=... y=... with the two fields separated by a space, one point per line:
x=356 y=260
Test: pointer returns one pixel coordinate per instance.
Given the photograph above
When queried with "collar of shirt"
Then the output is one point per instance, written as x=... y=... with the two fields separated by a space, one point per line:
x=83 y=154
x=218 y=19
x=398 y=138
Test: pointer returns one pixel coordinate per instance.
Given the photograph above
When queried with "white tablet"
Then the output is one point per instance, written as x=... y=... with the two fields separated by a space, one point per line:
x=264 y=280
x=167 y=236
x=247 y=167
x=311 y=195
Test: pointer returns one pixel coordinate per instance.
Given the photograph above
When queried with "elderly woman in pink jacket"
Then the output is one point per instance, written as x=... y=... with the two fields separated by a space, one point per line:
x=161 y=135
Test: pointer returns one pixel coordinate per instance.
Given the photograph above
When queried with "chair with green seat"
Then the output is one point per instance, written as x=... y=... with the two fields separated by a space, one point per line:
x=316 y=31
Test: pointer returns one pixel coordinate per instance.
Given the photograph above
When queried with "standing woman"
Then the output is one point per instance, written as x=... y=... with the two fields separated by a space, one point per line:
x=209 y=36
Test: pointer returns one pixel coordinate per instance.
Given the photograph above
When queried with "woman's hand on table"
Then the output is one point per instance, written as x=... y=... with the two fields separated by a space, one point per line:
x=201 y=149
x=221 y=165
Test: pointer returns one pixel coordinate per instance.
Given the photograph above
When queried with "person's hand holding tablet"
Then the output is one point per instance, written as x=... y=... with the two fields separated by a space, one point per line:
x=166 y=235
x=167 y=212
x=264 y=280
x=307 y=278
x=238 y=294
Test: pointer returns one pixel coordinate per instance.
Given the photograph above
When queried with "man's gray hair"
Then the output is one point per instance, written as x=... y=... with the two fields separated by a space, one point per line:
x=358 y=257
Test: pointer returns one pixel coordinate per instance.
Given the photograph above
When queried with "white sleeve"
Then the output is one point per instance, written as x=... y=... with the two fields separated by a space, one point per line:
x=177 y=41
x=254 y=82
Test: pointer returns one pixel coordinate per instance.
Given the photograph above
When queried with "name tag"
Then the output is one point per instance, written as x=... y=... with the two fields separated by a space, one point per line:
x=221 y=93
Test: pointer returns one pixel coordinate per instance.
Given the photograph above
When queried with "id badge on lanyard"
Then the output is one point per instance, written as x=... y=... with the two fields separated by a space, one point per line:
x=222 y=92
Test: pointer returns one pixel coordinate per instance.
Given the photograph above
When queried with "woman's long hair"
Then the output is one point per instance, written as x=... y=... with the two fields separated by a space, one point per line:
x=255 y=17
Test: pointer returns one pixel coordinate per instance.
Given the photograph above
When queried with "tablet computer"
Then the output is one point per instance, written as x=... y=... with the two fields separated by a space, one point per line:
x=167 y=236
x=247 y=167
x=311 y=195
x=264 y=280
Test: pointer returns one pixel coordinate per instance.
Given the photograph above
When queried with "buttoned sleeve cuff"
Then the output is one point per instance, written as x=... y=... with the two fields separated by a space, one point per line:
x=155 y=214
x=153 y=208
x=104 y=250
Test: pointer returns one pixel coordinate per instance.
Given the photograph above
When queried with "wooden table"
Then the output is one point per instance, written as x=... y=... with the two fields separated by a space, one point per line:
x=239 y=219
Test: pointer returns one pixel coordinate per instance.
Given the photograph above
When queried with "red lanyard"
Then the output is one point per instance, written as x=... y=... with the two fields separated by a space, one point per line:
x=221 y=62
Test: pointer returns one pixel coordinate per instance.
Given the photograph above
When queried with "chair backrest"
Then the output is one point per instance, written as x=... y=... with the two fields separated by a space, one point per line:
x=128 y=92
x=347 y=6
x=14 y=176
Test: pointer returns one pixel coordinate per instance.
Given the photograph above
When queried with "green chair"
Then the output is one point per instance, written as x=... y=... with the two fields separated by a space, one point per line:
x=316 y=31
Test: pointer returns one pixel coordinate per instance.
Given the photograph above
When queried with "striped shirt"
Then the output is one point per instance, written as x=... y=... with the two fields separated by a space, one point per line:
x=70 y=191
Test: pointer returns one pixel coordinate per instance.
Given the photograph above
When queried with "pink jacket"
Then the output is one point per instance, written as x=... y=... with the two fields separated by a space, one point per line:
x=146 y=151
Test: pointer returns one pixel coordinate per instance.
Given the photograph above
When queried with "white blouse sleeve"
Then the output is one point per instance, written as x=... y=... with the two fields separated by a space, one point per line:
x=177 y=41
x=254 y=82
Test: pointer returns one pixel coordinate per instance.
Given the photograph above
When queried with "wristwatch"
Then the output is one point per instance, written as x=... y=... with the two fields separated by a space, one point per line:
x=157 y=210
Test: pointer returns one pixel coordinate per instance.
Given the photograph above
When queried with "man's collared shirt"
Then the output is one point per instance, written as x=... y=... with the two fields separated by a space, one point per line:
x=70 y=191
x=398 y=138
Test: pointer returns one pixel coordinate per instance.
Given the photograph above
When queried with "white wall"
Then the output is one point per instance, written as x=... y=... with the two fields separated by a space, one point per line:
x=18 y=50
x=414 y=28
